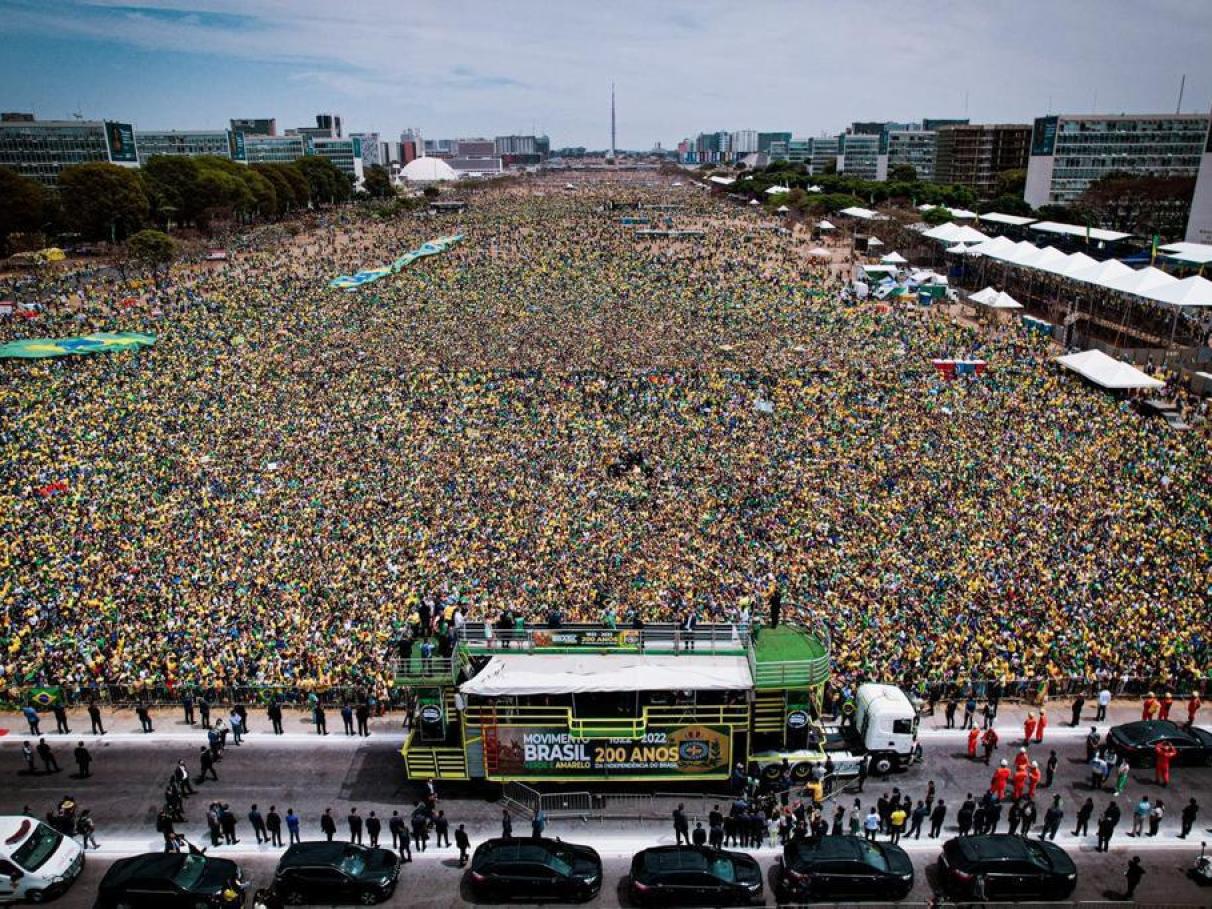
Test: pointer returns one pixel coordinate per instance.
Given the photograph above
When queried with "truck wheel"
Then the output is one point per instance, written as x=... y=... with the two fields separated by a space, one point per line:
x=801 y=771
x=882 y=765
x=36 y=896
x=771 y=772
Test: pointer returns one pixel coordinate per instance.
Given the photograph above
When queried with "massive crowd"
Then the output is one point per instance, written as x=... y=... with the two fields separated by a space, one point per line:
x=265 y=495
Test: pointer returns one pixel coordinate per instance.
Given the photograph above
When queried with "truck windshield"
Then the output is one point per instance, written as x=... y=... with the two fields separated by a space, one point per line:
x=41 y=845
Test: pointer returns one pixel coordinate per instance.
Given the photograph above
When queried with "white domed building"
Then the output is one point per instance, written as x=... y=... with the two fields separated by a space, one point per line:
x=427 y=170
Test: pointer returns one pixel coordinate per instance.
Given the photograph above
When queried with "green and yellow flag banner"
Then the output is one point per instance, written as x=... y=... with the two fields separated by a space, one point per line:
x=432 y=248
x=103 y=342
x=46 y=696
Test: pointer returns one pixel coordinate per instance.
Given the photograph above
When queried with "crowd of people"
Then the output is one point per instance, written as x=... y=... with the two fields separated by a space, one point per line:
x=558 y=414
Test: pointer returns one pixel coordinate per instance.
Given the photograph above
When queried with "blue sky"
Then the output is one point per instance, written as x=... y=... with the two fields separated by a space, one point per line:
x=465 y=67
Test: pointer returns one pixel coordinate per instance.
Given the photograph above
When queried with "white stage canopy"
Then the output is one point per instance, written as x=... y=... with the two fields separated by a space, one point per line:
x=1107 y=371
x=572 y=673
x=894 y=258
x=1193 y=291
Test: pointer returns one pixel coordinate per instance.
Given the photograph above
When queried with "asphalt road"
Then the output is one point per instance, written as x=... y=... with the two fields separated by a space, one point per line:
x=309 y=774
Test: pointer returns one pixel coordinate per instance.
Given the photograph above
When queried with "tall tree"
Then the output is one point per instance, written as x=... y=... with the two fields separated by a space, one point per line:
x=152 y=249
x=377 y=182
x=103 y=200
x=23 y=207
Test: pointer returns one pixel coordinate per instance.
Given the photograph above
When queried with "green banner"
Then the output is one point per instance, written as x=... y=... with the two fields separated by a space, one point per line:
x=432 y=248
x=104 y=342
x=550 y=753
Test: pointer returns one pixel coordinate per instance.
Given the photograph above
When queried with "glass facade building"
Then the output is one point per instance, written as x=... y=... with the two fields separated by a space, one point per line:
x=1069 y=152
x=190 y=143
x=974 y=155
x=274 y=149
x=41 y=149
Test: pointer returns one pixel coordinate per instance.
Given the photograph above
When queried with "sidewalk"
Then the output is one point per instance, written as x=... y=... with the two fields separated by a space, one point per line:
x=169 y=726
x=121 y=724
x=609 y=839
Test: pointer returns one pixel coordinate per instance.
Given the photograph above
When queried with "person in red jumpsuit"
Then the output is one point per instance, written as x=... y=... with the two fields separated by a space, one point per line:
x=1165 y=753
x=1150 y=706
x=1028 y=728
x=974 y=737
x=1033 y=777
x=1020 y=782
x=1021 y=759
x=1167 y=702
x=1001 y=777
x=1193 y=706
x=1040 y=725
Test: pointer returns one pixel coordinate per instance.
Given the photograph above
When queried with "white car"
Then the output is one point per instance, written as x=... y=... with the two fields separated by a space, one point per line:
x=37 y=863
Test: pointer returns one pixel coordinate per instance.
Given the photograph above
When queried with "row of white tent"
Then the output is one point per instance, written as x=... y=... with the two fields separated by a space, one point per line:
x=1148 y=283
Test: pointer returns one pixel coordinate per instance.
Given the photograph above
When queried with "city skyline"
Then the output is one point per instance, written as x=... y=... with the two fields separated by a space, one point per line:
x=456 y=70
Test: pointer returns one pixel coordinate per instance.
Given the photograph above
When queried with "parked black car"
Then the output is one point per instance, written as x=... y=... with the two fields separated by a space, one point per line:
x=1137 y=741
x=832 y=867
x=534 y=869
x=1004 y=866
x=323 y=872
x=158 y=880
x=694 y=876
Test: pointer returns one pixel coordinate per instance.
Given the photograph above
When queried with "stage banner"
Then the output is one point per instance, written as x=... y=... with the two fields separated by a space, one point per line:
x=104 y=342
x=546 y=753
x=370 y=275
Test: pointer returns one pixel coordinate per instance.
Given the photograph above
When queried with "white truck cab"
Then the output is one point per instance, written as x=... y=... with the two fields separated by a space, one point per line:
x=885 y=725
x=37 y=863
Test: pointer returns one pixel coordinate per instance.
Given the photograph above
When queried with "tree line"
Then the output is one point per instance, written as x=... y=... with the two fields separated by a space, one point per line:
x=102 y=201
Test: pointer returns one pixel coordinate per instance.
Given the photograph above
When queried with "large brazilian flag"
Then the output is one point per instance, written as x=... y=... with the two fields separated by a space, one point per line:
x=46 y=696
x=432 y=248
x=103 y=342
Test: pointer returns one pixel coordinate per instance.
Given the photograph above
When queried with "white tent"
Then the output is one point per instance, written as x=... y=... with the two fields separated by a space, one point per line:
x=825 y=225
x=927 y=277
x=957 y=250
x=1076 y=262
x=813 y=189
x=782 y=209
x=1100 y=273
x=984 y=297
x=1049 y=255
x=1107 y=371
x=819 y=252
x=1193 y=291
x=773 y=190
x=874 y=241
x=754 y=202
x=1004 y=301
x=1192 y=253
x=549 y=673
x=1139 y=283
x=955 y=233
x=945 y=232
x=962 y=214
x=863 y=214
x=722 y=181
x=894 y=258
x=993 y=247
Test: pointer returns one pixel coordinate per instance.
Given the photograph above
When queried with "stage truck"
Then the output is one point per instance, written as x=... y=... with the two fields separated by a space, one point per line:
x=590 y=703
